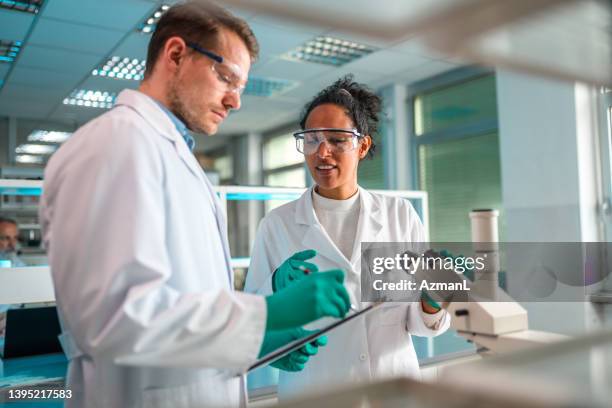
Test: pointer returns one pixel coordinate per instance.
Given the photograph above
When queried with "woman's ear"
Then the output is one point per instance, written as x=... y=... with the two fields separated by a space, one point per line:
x=364 y=147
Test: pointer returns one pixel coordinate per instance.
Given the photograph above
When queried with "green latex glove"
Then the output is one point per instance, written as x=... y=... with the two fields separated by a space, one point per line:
x=296 y=360
x=290 y=271
x=427 y=299
x=308 y=299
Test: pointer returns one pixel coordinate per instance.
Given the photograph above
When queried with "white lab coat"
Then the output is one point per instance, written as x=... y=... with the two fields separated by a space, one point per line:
x=140 y=262
x=378 y=345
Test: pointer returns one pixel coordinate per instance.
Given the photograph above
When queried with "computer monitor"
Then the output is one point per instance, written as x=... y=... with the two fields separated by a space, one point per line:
x=31 y=332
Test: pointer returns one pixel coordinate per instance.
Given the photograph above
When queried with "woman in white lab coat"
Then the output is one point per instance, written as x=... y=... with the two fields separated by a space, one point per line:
x=334 y=217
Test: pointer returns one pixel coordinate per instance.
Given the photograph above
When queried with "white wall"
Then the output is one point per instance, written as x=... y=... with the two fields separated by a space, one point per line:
x=549 y=177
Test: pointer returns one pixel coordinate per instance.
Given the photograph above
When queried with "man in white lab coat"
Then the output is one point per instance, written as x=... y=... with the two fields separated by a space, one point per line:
x=137 y=240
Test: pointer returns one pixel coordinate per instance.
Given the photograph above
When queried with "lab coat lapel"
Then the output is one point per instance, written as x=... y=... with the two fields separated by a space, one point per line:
x=222 y=226
x=369 y=227
x=148 y=109
x=315 y=236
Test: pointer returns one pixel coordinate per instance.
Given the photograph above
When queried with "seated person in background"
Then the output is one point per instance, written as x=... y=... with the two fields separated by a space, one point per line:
x=9 y=242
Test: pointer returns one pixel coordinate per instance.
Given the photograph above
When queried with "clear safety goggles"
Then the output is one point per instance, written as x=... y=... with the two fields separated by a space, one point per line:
x=230 y=75
x=337 y=140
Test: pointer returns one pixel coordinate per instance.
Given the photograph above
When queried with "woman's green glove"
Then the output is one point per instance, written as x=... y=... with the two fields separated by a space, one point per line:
x=296 y=360
x=308 y=299
x=293 y=268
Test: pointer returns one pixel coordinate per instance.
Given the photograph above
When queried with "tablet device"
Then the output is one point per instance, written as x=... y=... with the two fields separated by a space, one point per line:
x=297 y=344
x=31 y=331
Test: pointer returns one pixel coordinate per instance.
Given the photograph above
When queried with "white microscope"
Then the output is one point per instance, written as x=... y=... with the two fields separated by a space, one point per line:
x=498 y=326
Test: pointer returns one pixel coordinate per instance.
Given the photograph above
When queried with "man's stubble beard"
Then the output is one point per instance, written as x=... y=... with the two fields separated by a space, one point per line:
x=178 y=106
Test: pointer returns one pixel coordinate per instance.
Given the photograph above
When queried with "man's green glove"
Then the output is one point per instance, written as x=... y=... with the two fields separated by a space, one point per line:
x=293 y=268
x=296 y=360
x=308 y=299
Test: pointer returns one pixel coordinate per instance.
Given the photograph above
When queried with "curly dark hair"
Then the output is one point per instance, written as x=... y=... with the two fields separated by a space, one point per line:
x=362 y=105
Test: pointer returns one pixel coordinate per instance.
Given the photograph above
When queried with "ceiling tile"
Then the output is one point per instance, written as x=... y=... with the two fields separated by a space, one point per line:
x=57 y=60
x=77 y=37
x=107 y=84
x=30 y=92
x=42 y=78
x=133 y=46
x=24 y=108
x=4 y=69
x=385 y=62
x=14 y=25
x=115 y=14
x=276 y=41
x=288 y=25
x=27 y=101
x=283 y=69
x=75 y=114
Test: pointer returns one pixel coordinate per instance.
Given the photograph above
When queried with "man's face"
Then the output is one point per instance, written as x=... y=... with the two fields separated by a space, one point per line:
x=198 y=95
x=8 y=237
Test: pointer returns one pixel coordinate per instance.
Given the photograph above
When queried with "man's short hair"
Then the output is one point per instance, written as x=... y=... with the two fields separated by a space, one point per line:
x=198 y=22
x=7 y=220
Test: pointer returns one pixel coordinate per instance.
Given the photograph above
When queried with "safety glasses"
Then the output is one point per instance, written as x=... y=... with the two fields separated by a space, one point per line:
x=229 y=75
x=337 y=140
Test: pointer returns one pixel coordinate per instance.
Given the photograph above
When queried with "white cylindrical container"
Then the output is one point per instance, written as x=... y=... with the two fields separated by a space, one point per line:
x=485 y=234
x=485 y=238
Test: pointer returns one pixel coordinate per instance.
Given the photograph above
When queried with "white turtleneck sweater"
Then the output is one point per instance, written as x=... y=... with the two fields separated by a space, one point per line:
x=339 y=218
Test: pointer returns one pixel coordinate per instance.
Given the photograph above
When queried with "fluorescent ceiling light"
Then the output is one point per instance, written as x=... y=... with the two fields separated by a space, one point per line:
x=29 y=159
x=29 y=6
x=329 y=50
x=48 y=136
x=150 y=23
x=91 y=99
x=9 y=50
x=268 y=86
x=121 y=68
x=30 y=148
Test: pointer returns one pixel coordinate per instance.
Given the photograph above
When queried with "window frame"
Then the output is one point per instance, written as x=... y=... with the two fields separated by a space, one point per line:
x=443 y=80
x=449 y=78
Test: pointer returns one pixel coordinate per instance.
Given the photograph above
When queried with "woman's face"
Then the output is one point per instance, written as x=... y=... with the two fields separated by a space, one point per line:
x=335 y=173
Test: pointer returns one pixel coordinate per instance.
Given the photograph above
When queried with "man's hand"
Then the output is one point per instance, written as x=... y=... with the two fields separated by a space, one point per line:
x=310 y=298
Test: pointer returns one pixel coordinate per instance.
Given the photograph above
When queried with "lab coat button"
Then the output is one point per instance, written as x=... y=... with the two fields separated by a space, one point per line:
x=362 y=357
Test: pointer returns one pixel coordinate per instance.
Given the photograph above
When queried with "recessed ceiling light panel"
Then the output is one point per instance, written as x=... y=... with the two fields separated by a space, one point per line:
x=28 y=6
x=329 y=51
x=9 y=50
x=29 y=159
x=32 y=148
x=91 y=99
x=268 y=87
x=48 y=136
x=148 y=26
x=121 y=68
